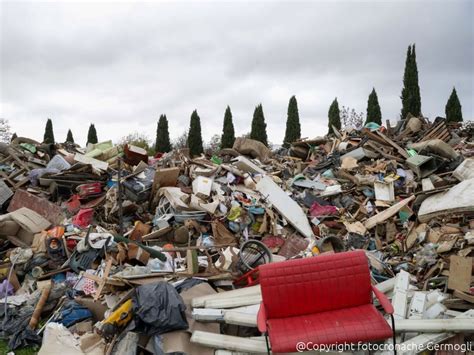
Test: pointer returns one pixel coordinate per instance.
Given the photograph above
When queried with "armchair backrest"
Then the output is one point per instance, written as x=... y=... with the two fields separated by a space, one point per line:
x=315 y=284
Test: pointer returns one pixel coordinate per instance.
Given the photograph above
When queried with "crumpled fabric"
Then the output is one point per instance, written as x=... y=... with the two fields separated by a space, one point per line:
x=6 y=288
x=36 y=174
x=158 y=308
x=317 y=210
x=16 y=328
x=73 y=313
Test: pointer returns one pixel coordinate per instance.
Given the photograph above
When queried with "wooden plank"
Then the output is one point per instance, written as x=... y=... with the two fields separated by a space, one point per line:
x=43 y=207
x=156 y=234
x=21 y=183
x=428 y=134
x=7 y=179
x=375 y=138
x=400 y=150
x=389 y=212
x=102 y=282
x=165 y=177
x=460 y=270
x=464 y=296
x=19 y=162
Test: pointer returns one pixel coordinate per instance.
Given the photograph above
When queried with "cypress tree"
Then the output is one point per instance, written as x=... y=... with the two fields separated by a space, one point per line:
x=162 y=143
x=228 y=133
x=334 y=118
x=293 y=127
x=194 y=135
x=453 y=108
x=259 y=127
x=411 y=99
x=48 y=132
x=92 y=135
x=69 y=137
x=373 y=109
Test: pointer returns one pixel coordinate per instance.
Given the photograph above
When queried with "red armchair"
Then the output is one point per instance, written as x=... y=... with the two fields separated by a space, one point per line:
x=324 y=300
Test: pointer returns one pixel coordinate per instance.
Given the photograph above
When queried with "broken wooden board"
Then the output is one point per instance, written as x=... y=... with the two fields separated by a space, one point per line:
x=400 y=150
x=460 y=270
x=464 y=296
x=42 y=206
x=165 y=178
x=389 y=212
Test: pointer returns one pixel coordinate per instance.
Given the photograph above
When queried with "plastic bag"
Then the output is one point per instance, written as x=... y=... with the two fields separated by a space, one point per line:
x=158 y=308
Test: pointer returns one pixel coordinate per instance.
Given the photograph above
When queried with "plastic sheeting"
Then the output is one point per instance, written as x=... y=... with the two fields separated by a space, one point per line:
x=158 y=308
x=59 y=340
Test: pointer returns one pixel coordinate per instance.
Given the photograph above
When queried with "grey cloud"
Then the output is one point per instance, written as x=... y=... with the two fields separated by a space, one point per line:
x=120 y=65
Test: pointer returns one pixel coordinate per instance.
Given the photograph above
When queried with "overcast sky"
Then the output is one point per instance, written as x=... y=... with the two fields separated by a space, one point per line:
x=120 y=65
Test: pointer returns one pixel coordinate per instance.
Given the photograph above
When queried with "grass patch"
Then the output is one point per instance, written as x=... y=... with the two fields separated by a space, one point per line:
x=25 y=351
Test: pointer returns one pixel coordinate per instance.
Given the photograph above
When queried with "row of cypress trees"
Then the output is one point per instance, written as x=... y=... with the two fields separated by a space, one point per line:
x=410 y=96
x=48 y=136
x=411 y=104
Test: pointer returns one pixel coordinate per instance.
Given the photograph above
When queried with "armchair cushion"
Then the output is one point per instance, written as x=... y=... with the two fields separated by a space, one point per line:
x=351 y=325
x=316 y=284
x=324 y=300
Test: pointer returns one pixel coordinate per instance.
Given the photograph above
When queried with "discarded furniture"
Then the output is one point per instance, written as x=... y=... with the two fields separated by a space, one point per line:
x=324 y=300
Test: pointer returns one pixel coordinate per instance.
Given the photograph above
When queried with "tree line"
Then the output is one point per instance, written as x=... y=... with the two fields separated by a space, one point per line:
x=410 y=97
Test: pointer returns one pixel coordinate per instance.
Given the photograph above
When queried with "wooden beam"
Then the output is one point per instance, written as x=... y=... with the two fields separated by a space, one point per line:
x=400 y=150
x=389 y=212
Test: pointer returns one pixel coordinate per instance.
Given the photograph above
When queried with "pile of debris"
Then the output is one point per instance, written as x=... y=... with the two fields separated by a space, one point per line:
x=107 y=250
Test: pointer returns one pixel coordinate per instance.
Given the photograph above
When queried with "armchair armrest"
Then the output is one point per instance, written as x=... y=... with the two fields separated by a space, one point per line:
x=262 y=319
x=384 y=301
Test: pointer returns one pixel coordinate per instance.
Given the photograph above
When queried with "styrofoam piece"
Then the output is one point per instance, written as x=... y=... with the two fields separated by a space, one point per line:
x=229 y=342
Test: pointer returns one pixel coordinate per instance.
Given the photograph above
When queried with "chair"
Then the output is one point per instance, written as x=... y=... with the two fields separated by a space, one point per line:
x=325 y=300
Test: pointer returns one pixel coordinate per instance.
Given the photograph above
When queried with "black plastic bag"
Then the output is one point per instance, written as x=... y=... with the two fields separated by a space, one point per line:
x=158 y=309
x=187 y=284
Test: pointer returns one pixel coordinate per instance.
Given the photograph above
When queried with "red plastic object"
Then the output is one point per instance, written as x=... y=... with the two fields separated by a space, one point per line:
x=73 y=204
x=384 y=301
x=83 y=218
x=250 y=278
x=324 y=300
x=93 y=188
x=71 y=243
